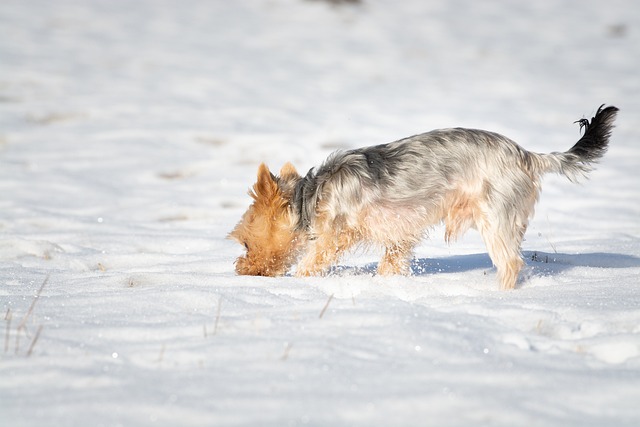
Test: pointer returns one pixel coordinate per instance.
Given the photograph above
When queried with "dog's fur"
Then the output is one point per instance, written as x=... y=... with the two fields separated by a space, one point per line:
x=390 y=196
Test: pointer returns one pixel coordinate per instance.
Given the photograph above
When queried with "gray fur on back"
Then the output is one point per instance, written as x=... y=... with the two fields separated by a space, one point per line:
x=423 y=166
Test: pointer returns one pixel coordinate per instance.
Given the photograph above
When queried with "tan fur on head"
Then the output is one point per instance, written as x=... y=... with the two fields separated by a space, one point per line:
x=266 y=229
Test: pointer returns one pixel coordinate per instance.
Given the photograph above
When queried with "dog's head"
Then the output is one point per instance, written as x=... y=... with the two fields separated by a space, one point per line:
x=267 y=229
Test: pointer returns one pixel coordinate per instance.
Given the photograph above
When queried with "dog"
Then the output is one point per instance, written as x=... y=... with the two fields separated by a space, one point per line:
x=389 y=196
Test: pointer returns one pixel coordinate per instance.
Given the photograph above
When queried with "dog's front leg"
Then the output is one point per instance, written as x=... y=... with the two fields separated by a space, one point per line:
x=315 y=261
x=396 y=260
x=325 y=251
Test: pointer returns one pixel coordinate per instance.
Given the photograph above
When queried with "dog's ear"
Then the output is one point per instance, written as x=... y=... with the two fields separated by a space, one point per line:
x=289 y=171
x=266 y=185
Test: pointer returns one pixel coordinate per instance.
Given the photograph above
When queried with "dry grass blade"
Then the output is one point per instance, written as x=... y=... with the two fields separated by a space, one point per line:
x=325 y=306
x=34 y=341
x=17 y=345
x=161 y=355
x=215 y=326
x=7 y=334
x=22 y=323
x=22 y=326
x=287 y=349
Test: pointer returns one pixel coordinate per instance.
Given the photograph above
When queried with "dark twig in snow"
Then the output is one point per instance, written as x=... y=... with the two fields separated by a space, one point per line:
x=7 y=334
x=325 y=307
x=34 y=341
x=215 y=326
x=33 y=304
x=287 y=349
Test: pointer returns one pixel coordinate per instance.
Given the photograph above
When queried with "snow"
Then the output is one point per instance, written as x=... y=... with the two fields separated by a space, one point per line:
x=130 y=131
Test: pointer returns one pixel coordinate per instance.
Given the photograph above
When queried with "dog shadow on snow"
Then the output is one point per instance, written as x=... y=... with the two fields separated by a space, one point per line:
x=538 y=264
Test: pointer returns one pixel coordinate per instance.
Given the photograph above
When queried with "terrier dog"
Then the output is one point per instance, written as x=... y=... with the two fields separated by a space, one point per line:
x=390 y=195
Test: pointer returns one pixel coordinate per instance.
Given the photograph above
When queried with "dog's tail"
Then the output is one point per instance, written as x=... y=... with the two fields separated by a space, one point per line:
x=579 y=160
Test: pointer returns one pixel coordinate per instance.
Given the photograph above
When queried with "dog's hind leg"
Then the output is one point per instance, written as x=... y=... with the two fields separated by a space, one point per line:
x=503 y=244
x=502 y=217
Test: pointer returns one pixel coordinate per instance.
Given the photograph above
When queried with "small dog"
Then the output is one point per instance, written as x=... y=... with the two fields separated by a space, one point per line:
x=390 y=195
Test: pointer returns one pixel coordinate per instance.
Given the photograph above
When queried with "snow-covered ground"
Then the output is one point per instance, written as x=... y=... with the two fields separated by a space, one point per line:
x=130 y=131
